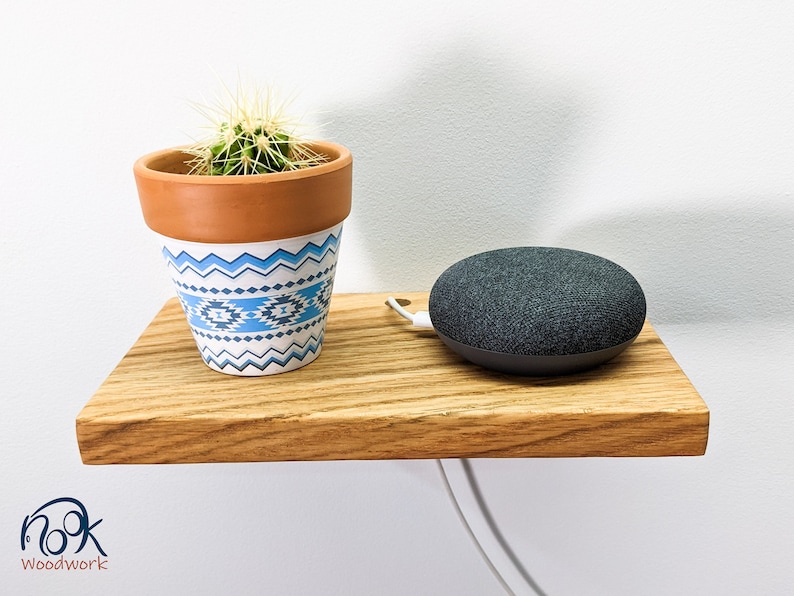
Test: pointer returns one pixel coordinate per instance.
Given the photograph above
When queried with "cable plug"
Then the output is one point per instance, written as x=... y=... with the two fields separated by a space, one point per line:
x=419 y=319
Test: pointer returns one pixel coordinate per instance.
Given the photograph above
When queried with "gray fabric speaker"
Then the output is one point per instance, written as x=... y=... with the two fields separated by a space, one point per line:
x=537 y=310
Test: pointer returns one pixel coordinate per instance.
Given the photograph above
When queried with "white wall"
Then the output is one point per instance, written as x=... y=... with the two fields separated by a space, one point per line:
x=658 y=136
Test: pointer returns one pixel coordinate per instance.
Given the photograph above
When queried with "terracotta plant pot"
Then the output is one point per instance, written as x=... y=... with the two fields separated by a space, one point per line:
x=252 y=257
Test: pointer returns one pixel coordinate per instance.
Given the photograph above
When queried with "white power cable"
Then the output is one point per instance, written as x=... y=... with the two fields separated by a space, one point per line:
x=419 y=319
x=422 y=319
x=464 y=522
x=494 y=528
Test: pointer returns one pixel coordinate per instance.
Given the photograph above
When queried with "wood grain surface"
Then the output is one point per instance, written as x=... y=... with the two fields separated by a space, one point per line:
x=382 y=389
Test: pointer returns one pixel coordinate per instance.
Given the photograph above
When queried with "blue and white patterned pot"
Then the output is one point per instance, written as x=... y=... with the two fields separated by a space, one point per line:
x=256 y=308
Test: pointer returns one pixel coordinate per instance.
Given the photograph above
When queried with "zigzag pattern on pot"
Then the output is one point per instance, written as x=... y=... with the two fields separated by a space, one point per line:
x=270 y=357
x=252 y=290
x=246 y=262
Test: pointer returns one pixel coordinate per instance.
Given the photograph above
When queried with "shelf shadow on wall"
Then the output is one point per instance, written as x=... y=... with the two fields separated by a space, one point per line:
x=461 y=156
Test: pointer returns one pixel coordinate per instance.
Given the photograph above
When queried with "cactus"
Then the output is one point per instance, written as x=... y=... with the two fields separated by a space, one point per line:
x=252 y=135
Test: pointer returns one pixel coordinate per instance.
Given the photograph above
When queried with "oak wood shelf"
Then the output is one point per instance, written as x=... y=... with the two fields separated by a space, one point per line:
x=382 y=389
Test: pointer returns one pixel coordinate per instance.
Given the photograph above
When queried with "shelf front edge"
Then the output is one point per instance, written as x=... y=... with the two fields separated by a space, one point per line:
x=442 y=436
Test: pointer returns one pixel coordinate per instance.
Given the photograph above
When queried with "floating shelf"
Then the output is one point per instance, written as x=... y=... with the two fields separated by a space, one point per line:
x=382 y=389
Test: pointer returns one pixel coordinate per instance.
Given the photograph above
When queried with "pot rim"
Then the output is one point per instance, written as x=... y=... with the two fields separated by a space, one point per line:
x=246 y=208
x=147 y=166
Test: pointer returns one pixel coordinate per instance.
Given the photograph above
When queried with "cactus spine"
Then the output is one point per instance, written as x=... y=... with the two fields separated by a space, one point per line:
x=251 y=135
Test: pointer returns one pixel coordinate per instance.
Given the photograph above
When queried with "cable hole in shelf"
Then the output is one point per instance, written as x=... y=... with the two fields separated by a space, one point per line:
x=400 y=301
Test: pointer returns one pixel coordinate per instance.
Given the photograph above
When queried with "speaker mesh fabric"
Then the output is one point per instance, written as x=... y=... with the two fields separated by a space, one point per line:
x=537 y=301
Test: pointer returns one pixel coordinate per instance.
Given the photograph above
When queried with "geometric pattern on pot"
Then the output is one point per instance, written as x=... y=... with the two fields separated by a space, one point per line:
x=256 y=308
x=259 y=314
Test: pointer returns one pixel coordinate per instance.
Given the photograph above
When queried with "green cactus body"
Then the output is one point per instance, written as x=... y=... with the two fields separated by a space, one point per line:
x=254 y=138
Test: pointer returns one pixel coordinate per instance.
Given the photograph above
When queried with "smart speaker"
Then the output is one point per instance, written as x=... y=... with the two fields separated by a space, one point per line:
x=537 y=310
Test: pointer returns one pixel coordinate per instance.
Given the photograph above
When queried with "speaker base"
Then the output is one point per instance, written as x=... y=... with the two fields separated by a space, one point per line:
x=534 y=366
